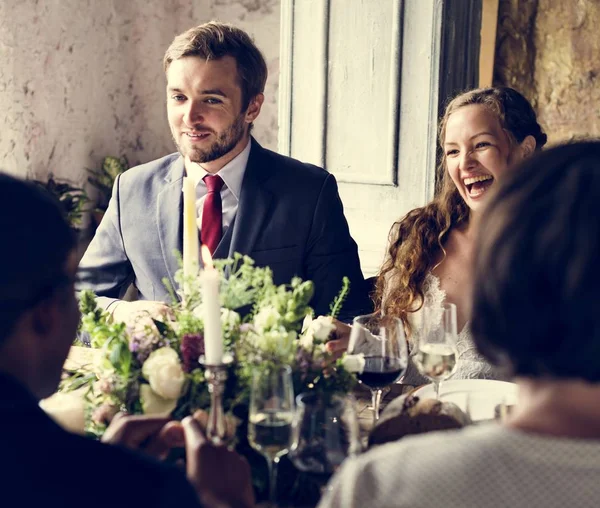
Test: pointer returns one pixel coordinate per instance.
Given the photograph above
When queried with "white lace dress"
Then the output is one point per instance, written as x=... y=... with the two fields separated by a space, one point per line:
x=471 y=365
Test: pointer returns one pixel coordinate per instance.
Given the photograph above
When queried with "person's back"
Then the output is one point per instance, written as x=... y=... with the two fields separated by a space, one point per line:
x=42 y=464
x=487 y=465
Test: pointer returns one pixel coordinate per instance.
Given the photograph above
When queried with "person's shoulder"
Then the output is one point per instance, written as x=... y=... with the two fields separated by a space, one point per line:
x=157 y=169
x=413 y=455
x=291 y=166
x=416 y=466
x=161 y=483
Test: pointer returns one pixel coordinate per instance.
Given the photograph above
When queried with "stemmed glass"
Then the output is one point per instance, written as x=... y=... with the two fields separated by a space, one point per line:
x=437 y=355
x=325 y=432
x=381 y=340
x=270 y=418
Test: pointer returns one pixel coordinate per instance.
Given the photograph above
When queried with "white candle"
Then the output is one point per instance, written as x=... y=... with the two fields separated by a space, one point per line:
x=190 y=229
x=211 y=307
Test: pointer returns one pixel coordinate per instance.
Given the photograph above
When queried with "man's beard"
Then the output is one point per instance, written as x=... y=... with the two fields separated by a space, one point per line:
x=224 y=143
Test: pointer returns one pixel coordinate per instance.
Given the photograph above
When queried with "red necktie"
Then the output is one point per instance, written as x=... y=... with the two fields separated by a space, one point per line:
x=212 y=213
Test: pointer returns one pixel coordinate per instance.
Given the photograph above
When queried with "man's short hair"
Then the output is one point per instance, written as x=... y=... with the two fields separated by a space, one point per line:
x=535 y=303
x=36 y=241
x=215 y=40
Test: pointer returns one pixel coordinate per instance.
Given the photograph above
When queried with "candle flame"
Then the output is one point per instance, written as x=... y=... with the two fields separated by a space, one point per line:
x=206 y=258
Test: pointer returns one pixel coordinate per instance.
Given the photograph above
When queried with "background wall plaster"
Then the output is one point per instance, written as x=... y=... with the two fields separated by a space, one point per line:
x=82 y=79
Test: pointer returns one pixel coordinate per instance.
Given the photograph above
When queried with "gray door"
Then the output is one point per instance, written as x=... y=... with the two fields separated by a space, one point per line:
x=359 y=82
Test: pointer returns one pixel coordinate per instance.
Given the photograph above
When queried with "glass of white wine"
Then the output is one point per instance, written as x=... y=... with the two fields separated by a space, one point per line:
x=436 y=356
x=270 y=418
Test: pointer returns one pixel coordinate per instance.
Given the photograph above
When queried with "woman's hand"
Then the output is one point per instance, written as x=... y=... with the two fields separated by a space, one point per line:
x=339 y=344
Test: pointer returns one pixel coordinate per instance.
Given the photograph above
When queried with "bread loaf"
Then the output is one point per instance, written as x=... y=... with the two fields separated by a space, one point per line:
x=411 y=415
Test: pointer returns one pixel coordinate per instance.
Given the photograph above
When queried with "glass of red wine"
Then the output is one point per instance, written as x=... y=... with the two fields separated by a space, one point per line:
x=380 y=340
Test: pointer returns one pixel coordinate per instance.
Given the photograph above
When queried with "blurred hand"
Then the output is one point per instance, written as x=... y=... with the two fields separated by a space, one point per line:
x=152 y=435
x=219 y=475
x=134 y=313
x=339 y=344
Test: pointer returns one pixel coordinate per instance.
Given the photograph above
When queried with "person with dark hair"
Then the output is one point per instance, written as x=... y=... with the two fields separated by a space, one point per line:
x=535 y=312
x=482 y=132
x=281 y=212
x=41 y=463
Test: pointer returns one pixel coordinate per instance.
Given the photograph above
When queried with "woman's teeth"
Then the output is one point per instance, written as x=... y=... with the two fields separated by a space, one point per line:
x=477 y=185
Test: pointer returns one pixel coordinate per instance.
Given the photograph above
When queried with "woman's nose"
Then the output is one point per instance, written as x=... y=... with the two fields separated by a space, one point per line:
x=467 y=160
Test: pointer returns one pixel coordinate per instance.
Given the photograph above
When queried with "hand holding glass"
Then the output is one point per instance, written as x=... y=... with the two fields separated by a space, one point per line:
x=382 y=342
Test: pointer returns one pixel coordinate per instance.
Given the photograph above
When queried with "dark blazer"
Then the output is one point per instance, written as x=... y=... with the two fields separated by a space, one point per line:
x=43 y=465
x=290 y=217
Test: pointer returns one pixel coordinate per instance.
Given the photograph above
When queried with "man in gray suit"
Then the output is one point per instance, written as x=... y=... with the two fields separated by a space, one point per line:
x=283 y=213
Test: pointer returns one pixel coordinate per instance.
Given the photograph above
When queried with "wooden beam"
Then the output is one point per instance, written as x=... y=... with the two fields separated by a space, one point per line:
x=489 y=23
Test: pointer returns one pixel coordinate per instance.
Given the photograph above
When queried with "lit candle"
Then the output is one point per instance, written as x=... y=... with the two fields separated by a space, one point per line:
x=190 y=229
x=211 y=307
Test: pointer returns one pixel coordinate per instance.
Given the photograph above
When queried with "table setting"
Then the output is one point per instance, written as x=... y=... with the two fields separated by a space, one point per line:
x=252 y=358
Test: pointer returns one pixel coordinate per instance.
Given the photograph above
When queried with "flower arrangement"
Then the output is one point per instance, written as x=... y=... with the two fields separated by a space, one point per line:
x=152 y=367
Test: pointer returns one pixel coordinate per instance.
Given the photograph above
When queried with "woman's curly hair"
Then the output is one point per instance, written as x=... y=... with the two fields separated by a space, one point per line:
x=416 y=240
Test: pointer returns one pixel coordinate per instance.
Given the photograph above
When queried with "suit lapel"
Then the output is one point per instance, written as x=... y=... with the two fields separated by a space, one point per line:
x=254 y=205
x=169 y=205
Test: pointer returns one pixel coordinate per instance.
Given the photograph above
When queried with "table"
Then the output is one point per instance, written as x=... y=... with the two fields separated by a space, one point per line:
x=363 y=404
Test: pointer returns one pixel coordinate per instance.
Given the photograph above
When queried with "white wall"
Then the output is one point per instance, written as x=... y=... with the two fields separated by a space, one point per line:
x=81 y=79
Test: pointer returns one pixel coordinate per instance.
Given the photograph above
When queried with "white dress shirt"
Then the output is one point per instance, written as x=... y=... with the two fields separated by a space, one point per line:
x=232 y=175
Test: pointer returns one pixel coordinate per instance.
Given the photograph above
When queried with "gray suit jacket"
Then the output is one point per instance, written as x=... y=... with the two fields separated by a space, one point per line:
x=290 y=218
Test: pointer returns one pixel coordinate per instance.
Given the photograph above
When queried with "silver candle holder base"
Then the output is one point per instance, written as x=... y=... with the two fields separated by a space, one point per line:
x=216 y=376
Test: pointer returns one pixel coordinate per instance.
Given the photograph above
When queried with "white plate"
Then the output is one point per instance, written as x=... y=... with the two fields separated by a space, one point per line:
x=478 y=397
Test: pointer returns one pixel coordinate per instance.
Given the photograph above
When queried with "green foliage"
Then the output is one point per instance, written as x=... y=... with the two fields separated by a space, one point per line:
x=96 y=322
x=242 y=283
x=72 y=199
x=269 y=336
x=338 y=302
x=104 y=178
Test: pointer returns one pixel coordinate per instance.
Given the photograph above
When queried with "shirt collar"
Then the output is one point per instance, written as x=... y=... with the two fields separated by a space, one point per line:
x=232 y=173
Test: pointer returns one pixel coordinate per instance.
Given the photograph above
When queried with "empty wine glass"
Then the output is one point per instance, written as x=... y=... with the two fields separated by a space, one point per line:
x=380 y=339
x=270 y=417
x=325 y=432
x=436 y=356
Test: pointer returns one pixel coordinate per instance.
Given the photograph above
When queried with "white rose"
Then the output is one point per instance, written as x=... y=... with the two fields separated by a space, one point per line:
x=307 y=321
x=67 y=409
x=230 y=319
x=266 y=319
x=322 y=327
x=153 y=404
x=354 y=363
x=307 y=338
x=163 y=371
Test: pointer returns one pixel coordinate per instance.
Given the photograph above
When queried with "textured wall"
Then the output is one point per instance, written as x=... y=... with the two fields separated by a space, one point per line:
x=81 y=79
x=550 y=50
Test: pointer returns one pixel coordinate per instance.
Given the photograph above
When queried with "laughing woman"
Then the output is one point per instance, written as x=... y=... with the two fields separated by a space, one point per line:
x=482 y=134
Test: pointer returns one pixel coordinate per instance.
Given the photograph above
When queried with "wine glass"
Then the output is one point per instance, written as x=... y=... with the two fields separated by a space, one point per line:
x=380 y=339
x=325 y=432
x=437 y=356
x=270 y=417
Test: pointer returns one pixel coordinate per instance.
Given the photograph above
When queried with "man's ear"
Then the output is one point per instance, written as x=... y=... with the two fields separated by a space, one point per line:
x=528 y=146
x=45 y=316
x=253 y=109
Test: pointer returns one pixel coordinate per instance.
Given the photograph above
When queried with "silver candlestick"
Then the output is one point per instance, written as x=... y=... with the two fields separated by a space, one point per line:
x=216 y=376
